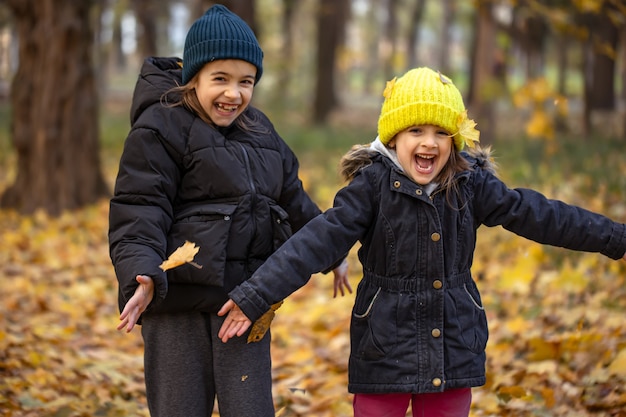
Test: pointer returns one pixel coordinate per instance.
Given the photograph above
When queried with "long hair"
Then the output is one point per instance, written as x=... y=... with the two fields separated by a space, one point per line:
x=359 y=156
x=447 y=178
x=185 y=95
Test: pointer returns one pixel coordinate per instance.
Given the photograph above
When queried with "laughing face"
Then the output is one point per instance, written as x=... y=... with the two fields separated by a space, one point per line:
x=422 y=151
x=224 y=89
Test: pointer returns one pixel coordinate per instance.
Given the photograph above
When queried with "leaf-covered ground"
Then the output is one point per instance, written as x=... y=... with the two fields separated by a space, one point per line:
x=557 y=320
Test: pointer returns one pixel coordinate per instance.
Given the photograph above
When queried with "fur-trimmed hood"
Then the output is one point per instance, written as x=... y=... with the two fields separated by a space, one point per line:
x=362 y=155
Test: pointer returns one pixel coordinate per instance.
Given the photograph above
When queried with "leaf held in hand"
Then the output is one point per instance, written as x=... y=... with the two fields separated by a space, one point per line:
x=183 y=255
x=261 y=326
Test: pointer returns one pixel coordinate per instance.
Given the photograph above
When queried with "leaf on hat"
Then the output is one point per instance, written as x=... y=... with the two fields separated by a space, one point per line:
x=389 y=88
x=184 y=254
x=467 y=130
x=261 y=326
x=443 y=78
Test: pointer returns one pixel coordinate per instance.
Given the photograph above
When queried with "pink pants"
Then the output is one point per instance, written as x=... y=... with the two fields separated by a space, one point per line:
x=453 y=403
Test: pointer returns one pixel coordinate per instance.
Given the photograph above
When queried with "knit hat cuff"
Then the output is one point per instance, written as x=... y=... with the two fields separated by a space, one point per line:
x=415 y=114
x=199 y=54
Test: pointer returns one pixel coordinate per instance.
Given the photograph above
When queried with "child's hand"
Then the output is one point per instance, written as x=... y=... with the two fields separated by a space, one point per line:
x=341 y=279
x=236 y=322
x=137 y=303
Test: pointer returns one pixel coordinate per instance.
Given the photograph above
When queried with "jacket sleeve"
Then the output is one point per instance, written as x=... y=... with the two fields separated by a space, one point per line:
x=530 y=214
x=318 y=244
x=141 y=212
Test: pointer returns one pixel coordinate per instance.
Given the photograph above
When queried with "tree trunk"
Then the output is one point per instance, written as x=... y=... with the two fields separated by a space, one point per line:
x=285 y=93
x=390 y=37
x=605 y=36
x=623 y=78
x=372 y=66
x=414 y=32
x=55 y=109
x=331 y=19
x=147 y=36
x=449 y=16
x=244 y=9
x=483 y=64
x=533 y=42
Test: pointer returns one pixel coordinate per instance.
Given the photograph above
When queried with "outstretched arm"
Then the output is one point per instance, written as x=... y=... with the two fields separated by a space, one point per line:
x=235 y=324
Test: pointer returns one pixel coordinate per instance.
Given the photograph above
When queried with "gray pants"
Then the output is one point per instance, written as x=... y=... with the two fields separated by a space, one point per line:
x=187 y=367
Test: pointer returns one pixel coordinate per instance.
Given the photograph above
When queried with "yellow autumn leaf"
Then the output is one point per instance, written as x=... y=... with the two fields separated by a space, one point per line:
x=618 y=366
x=507 y=393
x=540 y=125
x=389 y=88
x=467 y=130
x=184 y=254
x=261 y=326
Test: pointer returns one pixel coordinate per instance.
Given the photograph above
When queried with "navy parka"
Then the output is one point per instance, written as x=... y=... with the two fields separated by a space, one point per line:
x=418 y=324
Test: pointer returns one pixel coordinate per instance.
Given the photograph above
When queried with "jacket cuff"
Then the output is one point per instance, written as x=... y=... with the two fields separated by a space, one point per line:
x=335 y=265
x=252 y=305
x=616 y=247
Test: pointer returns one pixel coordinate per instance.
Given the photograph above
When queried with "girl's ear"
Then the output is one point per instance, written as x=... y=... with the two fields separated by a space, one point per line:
x=392 y=143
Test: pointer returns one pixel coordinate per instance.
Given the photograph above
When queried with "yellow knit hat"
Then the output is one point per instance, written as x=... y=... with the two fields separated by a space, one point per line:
x=425 y=97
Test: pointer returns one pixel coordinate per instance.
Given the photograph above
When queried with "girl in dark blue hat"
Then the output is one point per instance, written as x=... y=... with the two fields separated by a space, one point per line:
x=202 y=165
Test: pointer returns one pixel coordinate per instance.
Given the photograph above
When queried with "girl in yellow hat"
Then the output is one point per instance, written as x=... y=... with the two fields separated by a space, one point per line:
x=415 y=199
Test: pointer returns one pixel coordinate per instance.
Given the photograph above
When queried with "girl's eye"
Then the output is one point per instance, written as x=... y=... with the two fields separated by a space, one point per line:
x=415 y=130
x=443 y=133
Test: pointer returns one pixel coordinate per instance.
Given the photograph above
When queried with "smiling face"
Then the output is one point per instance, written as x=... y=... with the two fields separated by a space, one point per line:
x=422 y=151
x=224 y=89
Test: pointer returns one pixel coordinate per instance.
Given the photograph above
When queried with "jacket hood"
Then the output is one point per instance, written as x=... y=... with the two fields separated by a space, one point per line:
x=157 y=76
x=361 y=156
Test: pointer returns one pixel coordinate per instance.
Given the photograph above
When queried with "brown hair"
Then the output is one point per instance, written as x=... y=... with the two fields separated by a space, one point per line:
x=447 y=177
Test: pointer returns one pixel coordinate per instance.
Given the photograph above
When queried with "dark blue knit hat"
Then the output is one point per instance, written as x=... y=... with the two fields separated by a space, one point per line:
x=220 y=34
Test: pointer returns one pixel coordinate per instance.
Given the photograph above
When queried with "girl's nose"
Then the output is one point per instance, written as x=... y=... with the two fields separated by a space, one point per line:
x=429 y=140
x=232 y=91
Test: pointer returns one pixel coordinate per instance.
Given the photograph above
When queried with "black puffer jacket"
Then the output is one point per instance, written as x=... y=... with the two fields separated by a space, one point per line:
x=234 y=193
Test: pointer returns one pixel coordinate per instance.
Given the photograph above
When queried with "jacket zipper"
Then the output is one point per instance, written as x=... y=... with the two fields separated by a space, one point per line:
x=248 y=169
x=252 y=190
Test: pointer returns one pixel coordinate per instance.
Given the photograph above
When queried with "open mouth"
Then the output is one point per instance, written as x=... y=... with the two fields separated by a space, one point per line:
x=424 y=163
x=227 y=108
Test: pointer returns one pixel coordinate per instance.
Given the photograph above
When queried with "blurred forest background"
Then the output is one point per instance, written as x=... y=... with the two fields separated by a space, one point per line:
x=545 y=80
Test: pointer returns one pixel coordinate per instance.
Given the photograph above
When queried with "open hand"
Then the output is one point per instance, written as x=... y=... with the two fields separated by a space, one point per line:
x=341 y=279
x=137 y=303
x=235 y=324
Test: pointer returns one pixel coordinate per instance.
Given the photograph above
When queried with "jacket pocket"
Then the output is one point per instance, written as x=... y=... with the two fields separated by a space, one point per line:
x=465 y=317
x=373 y=327
x=207 y=226
x=281 y=228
